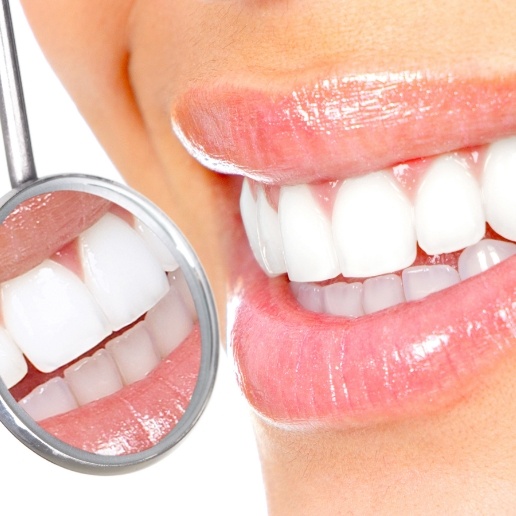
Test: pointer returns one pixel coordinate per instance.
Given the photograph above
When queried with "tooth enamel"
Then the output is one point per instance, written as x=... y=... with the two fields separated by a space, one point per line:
x=52 y=316
x=307 y=237
x=248 y=212
x=169 y=322
x=157 y=247
x=309 y=296
x=120 y=271
x=269 y=236
x=134 y=353
x=382 y=292
x=93 y=377
x=448 y=208
x=343 y=299
x=421 y=281
x=177 y=280
x=484 y=255
x=49 y=399
x=372 y=226
x=12 y=364
x=499 y=187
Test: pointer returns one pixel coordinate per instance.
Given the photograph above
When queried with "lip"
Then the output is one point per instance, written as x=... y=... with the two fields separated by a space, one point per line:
x=339 y=127
x=303 y=369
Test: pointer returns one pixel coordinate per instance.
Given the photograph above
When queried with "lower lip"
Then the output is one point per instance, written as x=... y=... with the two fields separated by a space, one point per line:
x=140 y=415
x=303 y=369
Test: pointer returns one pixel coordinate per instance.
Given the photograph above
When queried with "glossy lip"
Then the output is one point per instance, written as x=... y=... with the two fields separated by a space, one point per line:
x=342 y=126
x=304 y=369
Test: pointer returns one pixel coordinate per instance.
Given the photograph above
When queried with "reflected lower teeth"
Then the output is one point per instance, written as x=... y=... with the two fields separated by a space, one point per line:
x=53 y=317
x=372 y=225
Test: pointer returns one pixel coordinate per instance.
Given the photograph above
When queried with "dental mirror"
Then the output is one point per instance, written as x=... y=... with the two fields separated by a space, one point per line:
x=108 y=329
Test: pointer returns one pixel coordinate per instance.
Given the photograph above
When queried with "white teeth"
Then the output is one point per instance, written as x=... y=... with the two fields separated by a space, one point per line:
x=177 y=280
x=309 y=296
x=49 y=399
x=120 y=271
x=421 y=281
x=499 y=187
x=93 y=377
x=484 y=255
x=52 y=316
x=134 y=353
x=307 y=236
x=382 y=292
x=448 y=208
x=372 y=226
x=12 y=364
x=158 y=248
x=343 y=299
x=269 y=236
x=169 y=322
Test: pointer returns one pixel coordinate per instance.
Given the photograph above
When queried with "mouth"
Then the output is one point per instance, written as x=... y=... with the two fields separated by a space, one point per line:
x=98 y=325
x=376 y=276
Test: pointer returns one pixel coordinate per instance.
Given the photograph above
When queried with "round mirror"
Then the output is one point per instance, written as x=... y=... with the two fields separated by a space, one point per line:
x=108 y=330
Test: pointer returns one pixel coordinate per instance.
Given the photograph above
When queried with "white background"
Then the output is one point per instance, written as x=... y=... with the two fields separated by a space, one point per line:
x=216 y=469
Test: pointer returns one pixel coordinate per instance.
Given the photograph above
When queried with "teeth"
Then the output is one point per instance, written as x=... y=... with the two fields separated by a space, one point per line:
x=371 y=214
x=499 y=187
x=93 y=377
x=269 y=236
x=177 y=280
x=484 y=255
x=419 y=282
x=382 y=292
x=309 y=296
x=49 y=399
x=156 y=246
x=344 y=299
x=12 y=364
x=52 y=316
x=448 y=208
x=307 y=236
x=134 y=353
x=120 y=271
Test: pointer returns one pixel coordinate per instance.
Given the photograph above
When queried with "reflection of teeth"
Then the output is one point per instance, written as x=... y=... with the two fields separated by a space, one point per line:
x=12 y=364
x=163 y=255
x=120 y=271
x=51 y=315
x=178 y=281
x=448 y=208
x=307 y=238
x=370 y=213
x=419 y=282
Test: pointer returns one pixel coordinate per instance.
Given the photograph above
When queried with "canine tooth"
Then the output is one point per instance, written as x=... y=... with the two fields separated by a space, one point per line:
x=484 y=255
x=12 y=364
x=308 y=295
x=52 y=316
x=158 y=248
x=169 y=322
x=499 y=187
x=448 y=208
x=248 y=212
x=373 y=226
x=343 y=299
x=49 y=399
x=421 y=281
x=269 y=236
x=93 y=377
x=177 y=280
x=120 y=271
x=134 y=353
x=382 y=292
x=307 y=237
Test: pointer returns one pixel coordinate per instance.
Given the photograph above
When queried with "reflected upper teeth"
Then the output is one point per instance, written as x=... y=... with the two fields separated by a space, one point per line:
x=374 y=224
x=52 y=316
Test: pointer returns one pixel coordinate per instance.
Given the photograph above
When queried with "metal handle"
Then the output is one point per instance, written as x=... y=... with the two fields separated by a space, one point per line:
x=13 y=115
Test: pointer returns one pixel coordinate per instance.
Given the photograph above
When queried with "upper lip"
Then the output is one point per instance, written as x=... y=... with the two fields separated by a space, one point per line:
x=341 y=126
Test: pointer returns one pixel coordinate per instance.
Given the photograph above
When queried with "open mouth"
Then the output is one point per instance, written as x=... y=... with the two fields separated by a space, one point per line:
x=93 y=318
x=382 y=276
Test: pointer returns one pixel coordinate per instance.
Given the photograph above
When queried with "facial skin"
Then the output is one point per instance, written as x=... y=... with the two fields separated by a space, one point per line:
x=127 y=63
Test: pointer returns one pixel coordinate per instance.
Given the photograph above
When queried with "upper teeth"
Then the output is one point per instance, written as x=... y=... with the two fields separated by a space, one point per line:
x=375 y=224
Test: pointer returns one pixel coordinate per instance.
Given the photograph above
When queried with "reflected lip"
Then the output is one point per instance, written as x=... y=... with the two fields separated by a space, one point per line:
x=341 y=126
x=300 y=368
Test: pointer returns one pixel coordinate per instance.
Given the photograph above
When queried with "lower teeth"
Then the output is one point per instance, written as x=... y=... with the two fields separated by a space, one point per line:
x=381 y=292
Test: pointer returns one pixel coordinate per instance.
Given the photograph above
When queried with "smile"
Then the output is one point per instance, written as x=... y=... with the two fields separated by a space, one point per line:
x=99 y=318
x=376 y=273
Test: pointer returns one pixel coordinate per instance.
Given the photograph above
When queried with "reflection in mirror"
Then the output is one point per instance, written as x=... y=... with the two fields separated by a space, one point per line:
x=99 y=339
